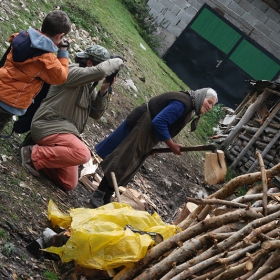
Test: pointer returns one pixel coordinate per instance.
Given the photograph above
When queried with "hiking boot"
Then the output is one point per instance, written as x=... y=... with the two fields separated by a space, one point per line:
x=27 y=162
x=108 y=197
x=96 y=198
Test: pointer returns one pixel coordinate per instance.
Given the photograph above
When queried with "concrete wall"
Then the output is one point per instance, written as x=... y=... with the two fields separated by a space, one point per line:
x=253 y=17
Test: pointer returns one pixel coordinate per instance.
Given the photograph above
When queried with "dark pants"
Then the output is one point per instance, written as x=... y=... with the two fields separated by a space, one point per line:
x=104 y=186
x=5 y=117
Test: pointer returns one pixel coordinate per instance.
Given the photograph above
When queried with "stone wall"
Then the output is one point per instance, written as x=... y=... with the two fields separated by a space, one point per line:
x=255 y=18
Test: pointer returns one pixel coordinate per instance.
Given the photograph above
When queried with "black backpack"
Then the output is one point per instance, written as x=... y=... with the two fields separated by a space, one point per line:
x=23 y=123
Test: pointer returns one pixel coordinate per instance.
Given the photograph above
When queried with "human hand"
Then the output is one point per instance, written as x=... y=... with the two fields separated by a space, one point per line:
x=175 y=147
x=105 y=87
x=64 y=44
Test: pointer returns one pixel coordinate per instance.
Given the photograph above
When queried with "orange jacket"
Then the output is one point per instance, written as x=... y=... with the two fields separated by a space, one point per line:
x=21 y=81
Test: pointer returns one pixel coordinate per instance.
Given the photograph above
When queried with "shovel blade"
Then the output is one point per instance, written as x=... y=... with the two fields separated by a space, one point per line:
x=215 y=168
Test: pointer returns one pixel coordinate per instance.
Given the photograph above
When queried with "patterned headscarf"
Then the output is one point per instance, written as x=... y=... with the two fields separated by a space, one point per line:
x=198 y=97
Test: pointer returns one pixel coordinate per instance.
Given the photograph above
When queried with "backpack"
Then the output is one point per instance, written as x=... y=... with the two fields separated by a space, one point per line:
x=23 y=123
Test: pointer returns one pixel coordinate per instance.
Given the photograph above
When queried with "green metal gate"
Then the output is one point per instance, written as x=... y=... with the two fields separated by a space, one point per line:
x=213 y=52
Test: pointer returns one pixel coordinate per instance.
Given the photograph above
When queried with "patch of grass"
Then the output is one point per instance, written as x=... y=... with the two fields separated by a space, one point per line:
x=3 y=234
x=241 y=191
x=15 y=217
x=8 y=249
x=230 y=175
x=50 y=275
x=3 y=207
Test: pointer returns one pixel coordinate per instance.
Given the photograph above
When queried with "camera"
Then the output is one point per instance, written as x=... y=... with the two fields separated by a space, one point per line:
x=64 y=44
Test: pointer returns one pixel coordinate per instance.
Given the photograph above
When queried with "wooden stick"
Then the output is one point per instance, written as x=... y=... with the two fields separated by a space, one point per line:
x=222 y=246
x=114 y=180
x=157 y=251
x=229 y=188
x=264 y=182
x=216 y=201
x=257 y=134
x=271 y=264
x=274 y=275
x=240 y=253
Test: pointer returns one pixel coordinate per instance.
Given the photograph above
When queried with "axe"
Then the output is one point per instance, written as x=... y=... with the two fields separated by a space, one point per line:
x=214 y=164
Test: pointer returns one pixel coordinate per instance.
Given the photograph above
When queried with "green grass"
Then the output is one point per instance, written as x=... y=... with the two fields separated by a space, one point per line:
x=3 y=234
x=117 y=30
x=50 y=275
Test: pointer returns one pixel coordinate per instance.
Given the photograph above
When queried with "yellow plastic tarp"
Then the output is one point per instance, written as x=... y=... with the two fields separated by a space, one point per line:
x=98 y=239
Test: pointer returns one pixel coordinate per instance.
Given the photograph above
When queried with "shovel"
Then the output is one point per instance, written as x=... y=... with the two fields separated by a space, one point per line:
x=215 y=168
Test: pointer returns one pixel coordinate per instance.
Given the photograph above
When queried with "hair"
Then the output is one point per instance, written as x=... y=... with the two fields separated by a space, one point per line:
x=56 y=22
x=211 y=93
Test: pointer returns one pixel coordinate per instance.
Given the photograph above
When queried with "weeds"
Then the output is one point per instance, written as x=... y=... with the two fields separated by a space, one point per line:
x=8 y=249
x=3 y=234
x=50 y=275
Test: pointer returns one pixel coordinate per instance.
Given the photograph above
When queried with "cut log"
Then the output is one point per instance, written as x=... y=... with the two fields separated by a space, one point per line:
x=215 y=167
x=91 y=185
x=183 y=214
x=128 y=197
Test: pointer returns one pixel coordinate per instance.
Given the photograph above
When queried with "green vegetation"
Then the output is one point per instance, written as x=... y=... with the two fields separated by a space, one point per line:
x=125 y=28
x=147 y=26
x=209 y=121
x=8 y=249
x=50 y=275
x=3 y=234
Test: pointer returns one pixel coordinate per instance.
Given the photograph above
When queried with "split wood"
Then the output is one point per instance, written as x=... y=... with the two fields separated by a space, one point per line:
x=243 y=240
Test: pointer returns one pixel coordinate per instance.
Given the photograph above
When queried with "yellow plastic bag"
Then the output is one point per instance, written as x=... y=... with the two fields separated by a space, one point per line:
x=98 y=239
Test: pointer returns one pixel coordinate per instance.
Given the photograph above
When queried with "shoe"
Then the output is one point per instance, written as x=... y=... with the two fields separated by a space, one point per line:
x=96 y=198
x=27 y=162
x=108 y=197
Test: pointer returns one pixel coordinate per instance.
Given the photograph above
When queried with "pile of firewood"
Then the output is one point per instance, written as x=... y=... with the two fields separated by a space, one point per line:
x=254 y=125
x=222 y=238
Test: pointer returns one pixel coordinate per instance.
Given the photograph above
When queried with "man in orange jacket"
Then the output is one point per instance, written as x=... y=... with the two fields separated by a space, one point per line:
x=30 y=62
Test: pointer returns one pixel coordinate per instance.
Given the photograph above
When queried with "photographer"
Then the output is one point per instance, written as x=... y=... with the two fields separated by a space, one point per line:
x=30 y=61
x=63 y=114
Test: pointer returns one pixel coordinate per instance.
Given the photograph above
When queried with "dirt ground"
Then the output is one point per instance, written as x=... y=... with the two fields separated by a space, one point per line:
x=165 y=179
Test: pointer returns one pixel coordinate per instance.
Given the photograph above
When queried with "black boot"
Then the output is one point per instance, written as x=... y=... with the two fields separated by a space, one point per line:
x=108 y=196
x=96 y=198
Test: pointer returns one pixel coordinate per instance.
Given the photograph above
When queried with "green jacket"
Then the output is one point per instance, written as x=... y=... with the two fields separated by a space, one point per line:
x=67 y=107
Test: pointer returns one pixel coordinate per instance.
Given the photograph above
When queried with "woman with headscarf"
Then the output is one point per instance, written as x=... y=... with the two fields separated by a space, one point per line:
x=161 y=119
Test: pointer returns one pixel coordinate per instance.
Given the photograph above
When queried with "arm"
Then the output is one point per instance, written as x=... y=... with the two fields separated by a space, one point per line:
x=85 y=75
x=100 y=103
x=168 y=116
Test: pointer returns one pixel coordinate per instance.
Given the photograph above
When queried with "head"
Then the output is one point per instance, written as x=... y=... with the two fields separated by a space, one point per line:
x=56 y=25
x=210 y=100
x=204 y=100
x=92 y=56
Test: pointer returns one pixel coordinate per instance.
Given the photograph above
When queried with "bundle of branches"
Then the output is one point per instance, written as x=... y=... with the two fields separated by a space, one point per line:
x=236 y=241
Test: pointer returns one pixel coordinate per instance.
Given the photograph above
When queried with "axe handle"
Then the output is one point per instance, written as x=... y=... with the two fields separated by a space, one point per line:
x=210 y=147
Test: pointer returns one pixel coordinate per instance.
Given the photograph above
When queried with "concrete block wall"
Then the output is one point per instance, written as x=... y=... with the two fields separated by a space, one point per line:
x=254 y=17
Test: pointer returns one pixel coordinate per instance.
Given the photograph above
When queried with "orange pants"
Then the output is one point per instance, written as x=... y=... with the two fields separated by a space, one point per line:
x=59 y=156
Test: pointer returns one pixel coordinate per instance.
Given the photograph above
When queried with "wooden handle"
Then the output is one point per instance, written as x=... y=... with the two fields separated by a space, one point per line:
x=113 y=176
x=209 y=147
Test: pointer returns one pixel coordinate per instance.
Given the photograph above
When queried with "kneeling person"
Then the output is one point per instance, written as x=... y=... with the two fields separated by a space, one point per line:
x=63 y=115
